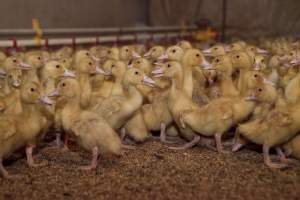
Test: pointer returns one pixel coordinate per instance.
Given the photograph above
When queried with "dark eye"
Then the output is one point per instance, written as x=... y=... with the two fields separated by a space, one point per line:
x=154 y=49
x=39 y=58
x=216 y=48
x=57 y=66
x=10 y=76
x=168 y=65
x=262 y=60
x=260 y=90
x=174 y=50
x=136 y=73
x=255 y=75
x=14 y=60
x=87 y=54
x=109 y=52
x=291 y=54
x=126 y=50
x=237 y=56
x=112 y=66
x=90 y=63
x=138 y=62
x=217 y=60
x=64 y=61
x=32 y=89
x=197 y=55
x=63 y=84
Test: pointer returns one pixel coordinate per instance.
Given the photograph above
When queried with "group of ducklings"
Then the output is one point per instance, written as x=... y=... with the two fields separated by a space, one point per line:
x=103 y=96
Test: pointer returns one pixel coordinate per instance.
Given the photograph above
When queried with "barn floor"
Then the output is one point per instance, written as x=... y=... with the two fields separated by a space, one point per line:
x=151 y=172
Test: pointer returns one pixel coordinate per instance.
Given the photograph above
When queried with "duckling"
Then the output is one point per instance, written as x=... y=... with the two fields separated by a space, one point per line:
x=12 y=89
x=22 y=129
x=126 y=54
x=185 y=45
x=216 y=50
x=34 y=61
x=79 y=55
x=113 y=53
x=273 y=130
x=117 y=109
x=154 y=53
x=91 y=131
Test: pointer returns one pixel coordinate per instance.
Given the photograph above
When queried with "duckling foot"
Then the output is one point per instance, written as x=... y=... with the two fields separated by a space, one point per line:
x=187 y=145
x=94 y=161
x=268 y=161
x=236 y=146
x=30 y=160
x=218 y=138
x=162 y=136
x=284 y=159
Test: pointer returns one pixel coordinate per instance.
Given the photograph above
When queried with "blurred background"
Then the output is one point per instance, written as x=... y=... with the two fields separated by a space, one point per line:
x=238 y=18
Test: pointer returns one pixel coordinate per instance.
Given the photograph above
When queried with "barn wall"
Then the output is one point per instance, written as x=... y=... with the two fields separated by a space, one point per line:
x=72 y=13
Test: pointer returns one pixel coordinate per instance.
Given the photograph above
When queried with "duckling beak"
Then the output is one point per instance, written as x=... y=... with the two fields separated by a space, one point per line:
x=68 y=73
x=148 y=54
x=256 y=66
x=148 y=81
x=135 y=55
x=295 y=62
x=55 y=93
x=251 y=98
x=261 y=51
x=163 y=56
x=266 y=81
x=45 y=100
x=206 y=65
x=101 y=71
x=16 y=83
x=2 y=72
x=158 y=72
x=24 y=66
x=129 y=66
x=207 y=52
x=95 y=58
x=227 y=48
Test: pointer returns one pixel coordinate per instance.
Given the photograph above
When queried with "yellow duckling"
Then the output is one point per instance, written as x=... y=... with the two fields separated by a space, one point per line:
x=185 y=45
x=216 y=50
x=90 y=130
x=24 y=128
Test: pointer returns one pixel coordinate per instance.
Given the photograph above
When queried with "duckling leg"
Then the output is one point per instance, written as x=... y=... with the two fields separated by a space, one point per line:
x=123 y=133
x=284 y=159
x=66 y=140
x=58 y=139
x=162 y=136
x=30 y=161
x=188 y=145
x=3 y=171
x=268 y=161
x=94 y=161
x=218 y=138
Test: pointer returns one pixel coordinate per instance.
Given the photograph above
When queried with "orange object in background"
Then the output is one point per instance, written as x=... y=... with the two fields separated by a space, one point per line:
x=205 y=35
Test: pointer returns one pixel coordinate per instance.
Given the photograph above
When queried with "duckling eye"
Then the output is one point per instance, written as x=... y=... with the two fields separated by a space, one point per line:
x=63 y=84
x=136 y=73
x=39 y=58
x=154 y=50
x=255 y=75
x=90 y=63
x=10 y=76
x=57 y=66
x=197 y=55
x=216 y=48
x=138 y=62
x=168 y=65
x=32 y=89
x=14 y=60
x=126 y=50
x=64 y=61
x=112 y=66
x=262 y=60
x=87 y=54
x=237 y=56
x=260 y=90
x=109 y=52
x=291 y=54
x=174 y=50
x=217 y=60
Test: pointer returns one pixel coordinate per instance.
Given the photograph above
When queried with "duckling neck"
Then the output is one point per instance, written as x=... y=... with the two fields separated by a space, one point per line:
x=118 y=87
x=243 y=108
x=176 y=85
x=227 y=86
x=32 y=75
x=134 y=96
x=188 y=80
x=49 y=85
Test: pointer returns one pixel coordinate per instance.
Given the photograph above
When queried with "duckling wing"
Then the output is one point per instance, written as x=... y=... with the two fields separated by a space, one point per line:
x=280 y=118
x=7 y=128
x=85 y=122
x=108 y=106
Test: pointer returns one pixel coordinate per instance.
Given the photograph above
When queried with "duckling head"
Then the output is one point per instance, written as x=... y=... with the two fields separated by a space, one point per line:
x=54 y=69
x=67 y=88
x=194 y=57
x=184 y=44
x=89 y=66
x=168 y=69
x=118 y=68
x=113 y=53
x=34 y=60
x=223 y=65
x=136 y=76
x=14 y=77
x=32 y=94
x=241 y=60
x=259 y=63
x=126 y=52
x=174 y=53
x=215 y=50
x=11 y=62
x=81 y=54
x=142 y=64
x=155 y=52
